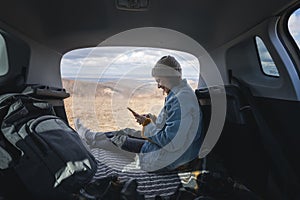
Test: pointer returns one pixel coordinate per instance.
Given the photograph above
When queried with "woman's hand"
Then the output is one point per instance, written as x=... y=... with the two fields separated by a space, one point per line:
x=143 y=119
x=140 y=119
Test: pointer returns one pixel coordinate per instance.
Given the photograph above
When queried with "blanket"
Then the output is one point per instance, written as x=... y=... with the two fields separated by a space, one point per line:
x=125 y=166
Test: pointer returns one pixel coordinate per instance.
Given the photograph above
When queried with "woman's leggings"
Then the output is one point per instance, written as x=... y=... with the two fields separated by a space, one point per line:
x=131 y=144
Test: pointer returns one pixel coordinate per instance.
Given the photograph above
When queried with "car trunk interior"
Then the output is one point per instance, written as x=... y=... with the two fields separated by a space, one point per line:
x=39 y=33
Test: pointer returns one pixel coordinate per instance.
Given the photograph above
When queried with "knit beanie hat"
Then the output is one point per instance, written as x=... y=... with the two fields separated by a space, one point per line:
x=167 y=66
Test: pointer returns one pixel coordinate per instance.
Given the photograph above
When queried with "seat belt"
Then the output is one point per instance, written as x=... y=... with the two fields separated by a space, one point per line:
x=285 y=172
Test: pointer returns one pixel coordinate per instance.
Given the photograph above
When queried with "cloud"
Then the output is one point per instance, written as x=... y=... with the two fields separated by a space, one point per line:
x=119 y=61
x=294 y=23
x=294 y=26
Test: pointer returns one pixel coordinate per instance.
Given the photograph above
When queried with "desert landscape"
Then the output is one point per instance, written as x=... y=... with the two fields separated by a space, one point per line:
x=102 y=106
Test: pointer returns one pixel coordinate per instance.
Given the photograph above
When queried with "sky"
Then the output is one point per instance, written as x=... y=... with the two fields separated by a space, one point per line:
x=294 y=26
x=107 y=62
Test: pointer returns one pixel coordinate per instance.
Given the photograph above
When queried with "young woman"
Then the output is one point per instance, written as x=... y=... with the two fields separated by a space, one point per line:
x=169 y=140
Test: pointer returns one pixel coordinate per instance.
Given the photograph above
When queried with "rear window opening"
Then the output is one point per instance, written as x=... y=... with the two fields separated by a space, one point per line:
x=104 y=81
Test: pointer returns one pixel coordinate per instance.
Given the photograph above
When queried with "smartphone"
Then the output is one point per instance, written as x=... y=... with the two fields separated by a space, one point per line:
x=134 y=113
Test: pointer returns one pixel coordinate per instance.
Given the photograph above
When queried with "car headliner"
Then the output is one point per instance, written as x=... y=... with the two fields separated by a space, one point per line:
x=65 y=25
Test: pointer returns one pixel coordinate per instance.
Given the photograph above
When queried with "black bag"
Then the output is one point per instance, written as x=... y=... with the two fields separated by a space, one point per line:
x=207 y=185
x=111 y=187
x=45 y=154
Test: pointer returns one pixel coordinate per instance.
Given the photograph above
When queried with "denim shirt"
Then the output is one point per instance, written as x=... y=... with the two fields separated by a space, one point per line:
x=174 y=137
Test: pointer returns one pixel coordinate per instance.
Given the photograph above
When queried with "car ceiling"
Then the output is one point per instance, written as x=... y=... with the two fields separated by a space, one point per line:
x=65 y=25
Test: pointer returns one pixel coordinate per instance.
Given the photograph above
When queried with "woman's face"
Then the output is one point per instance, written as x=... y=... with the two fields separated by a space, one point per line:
x=163 y=83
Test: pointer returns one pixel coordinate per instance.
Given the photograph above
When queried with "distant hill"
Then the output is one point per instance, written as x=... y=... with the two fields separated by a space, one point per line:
x=120 y=87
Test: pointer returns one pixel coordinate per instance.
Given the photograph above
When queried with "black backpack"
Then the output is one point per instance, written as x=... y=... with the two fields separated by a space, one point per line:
x=39 y=151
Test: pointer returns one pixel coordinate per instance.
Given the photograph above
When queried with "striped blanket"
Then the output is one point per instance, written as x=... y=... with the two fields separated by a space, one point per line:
x=125 y=166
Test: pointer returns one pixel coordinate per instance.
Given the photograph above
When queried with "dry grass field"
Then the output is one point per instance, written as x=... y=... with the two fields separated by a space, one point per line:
x=103 y=106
